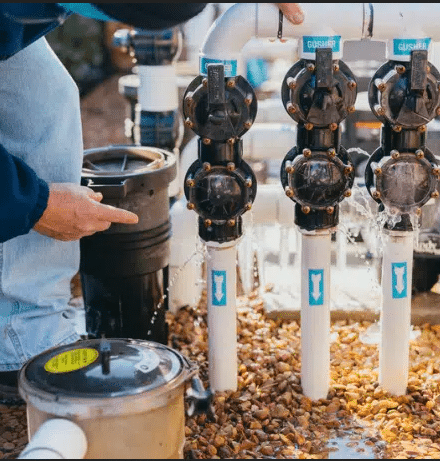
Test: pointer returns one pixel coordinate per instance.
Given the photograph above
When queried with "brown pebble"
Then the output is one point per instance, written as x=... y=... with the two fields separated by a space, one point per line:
x=267 y=450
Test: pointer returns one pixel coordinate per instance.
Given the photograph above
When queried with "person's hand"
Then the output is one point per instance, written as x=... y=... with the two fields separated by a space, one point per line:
x=74 y=212
x=292 y=12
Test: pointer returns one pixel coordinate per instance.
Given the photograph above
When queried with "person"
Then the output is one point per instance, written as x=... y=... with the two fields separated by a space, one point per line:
x=44 y=210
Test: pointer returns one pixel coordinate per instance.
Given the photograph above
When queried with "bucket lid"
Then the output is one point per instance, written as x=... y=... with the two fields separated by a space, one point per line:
x=103 y=368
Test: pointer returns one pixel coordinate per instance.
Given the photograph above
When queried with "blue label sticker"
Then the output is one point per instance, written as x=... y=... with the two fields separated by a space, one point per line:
x=404 y=46
x=399 y=276
x=230 y=66
x=218 y=288
x=316 y=287
x=310 y=43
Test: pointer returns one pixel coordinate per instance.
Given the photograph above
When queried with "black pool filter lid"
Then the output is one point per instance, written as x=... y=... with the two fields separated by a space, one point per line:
x=149 y=166
x=102 y=368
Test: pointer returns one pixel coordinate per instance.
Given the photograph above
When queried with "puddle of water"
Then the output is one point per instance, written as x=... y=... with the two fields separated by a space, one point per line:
x=345 y=447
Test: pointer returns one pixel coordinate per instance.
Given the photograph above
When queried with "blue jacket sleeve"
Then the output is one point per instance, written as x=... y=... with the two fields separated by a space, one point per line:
x=23 y=196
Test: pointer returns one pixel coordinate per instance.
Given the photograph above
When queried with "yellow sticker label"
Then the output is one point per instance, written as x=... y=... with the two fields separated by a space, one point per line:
x=71 y=360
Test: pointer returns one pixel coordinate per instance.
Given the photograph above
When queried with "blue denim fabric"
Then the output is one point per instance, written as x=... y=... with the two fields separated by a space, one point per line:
x=40 y=123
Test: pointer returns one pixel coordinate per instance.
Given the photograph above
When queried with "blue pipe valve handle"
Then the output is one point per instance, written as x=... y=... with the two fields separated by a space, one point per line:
x=402 y=174
x=318 y=173
x=220 y=186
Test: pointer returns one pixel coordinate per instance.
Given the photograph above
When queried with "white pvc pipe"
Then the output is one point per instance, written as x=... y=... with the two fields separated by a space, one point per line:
x=241 y=22
x=264 y=141
x=394 y=19
x=56 y=439
x=222 y=315
x=184 y=279
x=272 y=111
x=158 y=90
x=396 y=311
x=271 y=206
x=315 y=314
x=352 y=21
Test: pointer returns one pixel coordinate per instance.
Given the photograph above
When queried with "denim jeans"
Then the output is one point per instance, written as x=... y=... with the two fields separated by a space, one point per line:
x=40 y=123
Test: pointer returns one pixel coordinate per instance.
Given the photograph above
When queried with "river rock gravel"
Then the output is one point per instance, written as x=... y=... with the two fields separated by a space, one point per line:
x=269 y=417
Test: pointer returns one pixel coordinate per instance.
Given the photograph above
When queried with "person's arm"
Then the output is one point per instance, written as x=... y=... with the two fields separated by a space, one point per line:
x=23 y=196
x=61 y=211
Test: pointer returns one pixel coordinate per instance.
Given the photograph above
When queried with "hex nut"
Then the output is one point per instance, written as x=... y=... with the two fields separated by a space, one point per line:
x=305 y=209
x=289 y=191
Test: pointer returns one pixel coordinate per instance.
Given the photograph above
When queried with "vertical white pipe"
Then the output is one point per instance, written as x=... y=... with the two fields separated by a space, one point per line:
x=158 y=92
x=56 y=439
x=315 y=314
x=222 y=315
x=396 y=311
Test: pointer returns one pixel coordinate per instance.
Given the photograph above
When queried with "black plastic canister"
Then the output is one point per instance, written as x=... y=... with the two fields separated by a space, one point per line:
x=124 y=270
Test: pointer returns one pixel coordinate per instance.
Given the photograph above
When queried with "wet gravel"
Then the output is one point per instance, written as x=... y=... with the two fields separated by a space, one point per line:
x=268 y=417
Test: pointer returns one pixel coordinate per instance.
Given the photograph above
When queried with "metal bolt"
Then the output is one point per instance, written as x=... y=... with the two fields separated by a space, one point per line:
x=330 y=210
x=247 y=124
x=308 y=126
x=206 y=141
x=248 y=182
x=333 y=126
x=421 y=128
x=307 y=152
x=435 y=194
x=289 y=191
x=231 y=141
x=231 y=222
x=380 y=84
x=437 y=111
x=189 y=99
x=400 y=69
x=336 y=67
x=418 y=211
x=207 y=166
x=248 y=100
x=395 y=154
x=351 y=109
x=347 y=193
x=376 y=194
x=291 y=83
x=378 y=171
x=190 y=206
x=248 y=206
x=435 y=171
x=290 y=108
x=397 y=128
x=189 y=123
x=305 y=209
x=348 y=170
x=420 y=153
x=230 y=166
x=428 y=69
x=205 y=82
x=352 y=84
x=311 y=67
x=190 y=182
x=379 y=109
x=331 y=152
x=231 y=83
x=207 y=222
x=289 y=168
